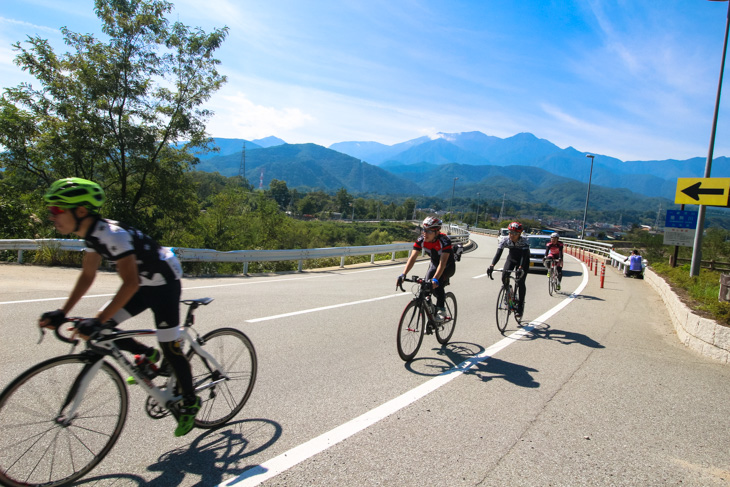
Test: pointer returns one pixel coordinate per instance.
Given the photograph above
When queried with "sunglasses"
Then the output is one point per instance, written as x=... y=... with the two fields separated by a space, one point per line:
x=429 y=231
x=55 y=210
x=513 y=233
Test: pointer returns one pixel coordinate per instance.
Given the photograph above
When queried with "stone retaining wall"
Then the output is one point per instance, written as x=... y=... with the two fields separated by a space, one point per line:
x=700 y=334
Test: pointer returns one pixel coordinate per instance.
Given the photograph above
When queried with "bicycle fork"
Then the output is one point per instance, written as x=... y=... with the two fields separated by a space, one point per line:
x=76 y=393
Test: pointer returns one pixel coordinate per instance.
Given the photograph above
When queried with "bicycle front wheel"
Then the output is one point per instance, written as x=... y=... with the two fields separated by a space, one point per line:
x=503 y=309
x=445 y=329
x=410 y=331
x=551 y=282
x=223 y=397
x=40 y=443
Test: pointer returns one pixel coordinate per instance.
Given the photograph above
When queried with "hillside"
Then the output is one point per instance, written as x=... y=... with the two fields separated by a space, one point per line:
x=310 y=166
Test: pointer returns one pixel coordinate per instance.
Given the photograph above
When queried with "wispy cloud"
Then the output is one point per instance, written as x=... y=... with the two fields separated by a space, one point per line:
x=20 y=23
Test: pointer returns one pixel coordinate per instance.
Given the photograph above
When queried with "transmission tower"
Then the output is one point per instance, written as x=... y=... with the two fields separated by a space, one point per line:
x=242 y=168
x=658 y=215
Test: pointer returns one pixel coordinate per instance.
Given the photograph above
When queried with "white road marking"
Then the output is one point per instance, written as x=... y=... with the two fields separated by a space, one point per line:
x=313 y=310
x=271 y=468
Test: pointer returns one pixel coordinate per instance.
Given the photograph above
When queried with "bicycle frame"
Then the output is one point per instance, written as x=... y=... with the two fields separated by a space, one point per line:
x=105 y=346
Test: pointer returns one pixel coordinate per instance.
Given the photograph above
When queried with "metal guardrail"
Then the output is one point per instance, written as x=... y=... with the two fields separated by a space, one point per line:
x=245 y=257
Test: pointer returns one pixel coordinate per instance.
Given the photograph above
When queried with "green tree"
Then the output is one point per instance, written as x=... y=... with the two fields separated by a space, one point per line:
x=280 y=192
x=115 y=111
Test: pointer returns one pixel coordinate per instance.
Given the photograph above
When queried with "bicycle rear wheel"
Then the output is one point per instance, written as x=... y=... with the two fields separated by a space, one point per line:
x=410 y=331
x=236 y=355
x=445 y=329
x=503 y=309
x=39 y=444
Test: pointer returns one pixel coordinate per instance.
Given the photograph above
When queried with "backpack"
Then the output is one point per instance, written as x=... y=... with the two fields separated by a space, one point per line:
x=458 y=249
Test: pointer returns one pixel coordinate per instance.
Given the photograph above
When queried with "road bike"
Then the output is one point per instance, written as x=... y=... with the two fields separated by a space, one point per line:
x=419 y=317
x=507 y=299
x=60 y=418
x=553 y=283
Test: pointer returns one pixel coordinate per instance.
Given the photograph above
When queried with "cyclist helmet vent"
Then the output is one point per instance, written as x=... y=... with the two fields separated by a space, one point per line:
x=431 y=222
x=515 y=227
x=73 y=192
x=554 y=235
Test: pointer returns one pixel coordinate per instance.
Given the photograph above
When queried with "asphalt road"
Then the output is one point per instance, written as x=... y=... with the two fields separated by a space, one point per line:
x=597 y=391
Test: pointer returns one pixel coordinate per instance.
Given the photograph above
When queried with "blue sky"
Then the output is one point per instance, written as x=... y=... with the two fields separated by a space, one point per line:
x=632 y=79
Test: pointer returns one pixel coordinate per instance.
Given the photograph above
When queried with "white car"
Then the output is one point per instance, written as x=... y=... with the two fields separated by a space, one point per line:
x=537 y=250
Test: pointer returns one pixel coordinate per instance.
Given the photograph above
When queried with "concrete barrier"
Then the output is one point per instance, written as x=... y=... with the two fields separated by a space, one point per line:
x=700 y=334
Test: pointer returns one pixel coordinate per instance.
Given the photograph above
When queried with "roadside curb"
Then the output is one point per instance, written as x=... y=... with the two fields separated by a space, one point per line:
x=700 y=334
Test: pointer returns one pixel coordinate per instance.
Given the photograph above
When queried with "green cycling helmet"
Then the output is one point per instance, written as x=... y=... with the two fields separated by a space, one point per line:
x=74 y=192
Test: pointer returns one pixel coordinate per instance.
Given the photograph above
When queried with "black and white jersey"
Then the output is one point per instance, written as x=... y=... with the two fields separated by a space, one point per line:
x=518 y=251
x=113 y=240
x=441 y=245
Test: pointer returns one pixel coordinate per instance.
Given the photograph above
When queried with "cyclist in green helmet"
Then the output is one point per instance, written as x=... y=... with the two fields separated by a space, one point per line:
x=150 y=280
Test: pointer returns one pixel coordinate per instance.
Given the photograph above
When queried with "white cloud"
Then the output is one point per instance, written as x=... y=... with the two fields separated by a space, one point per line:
x=20 y=23
x=238 y=117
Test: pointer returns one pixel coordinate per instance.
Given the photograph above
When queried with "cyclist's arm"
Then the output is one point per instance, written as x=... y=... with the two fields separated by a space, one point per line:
x=524 y=260
x=89 y=265
x=411 y=260
x=497 y=256
x=127 y=270
x=443 y=262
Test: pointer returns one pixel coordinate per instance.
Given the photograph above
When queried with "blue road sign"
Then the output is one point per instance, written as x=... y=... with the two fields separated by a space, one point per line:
x=681 y=219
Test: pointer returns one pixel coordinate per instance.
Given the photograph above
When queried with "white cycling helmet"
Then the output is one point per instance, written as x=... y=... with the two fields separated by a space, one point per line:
x=554 y=235
x=431 y=222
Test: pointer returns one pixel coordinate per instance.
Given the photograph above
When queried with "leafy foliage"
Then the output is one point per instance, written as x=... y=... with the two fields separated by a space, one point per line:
x=113 y=111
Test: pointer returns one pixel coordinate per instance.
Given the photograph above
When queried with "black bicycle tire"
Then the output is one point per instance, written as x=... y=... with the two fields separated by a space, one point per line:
x=421 y=321
x=551 y=281
x=206 y=405
x=34 y=371
x=502 y=310
x=442 y=336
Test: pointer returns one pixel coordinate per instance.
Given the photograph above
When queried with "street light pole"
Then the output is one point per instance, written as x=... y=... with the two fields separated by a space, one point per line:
x=476 y=222
x=588 y=194
x=451 y=205
x=694 y=269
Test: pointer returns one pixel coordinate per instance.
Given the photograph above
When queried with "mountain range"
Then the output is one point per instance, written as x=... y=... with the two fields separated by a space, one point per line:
x=524 y=166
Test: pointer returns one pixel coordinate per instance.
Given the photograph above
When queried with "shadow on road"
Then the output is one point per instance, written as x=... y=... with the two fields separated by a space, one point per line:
x=211 y=455
x=543 y=331
x=495 y=368
x=446 y=358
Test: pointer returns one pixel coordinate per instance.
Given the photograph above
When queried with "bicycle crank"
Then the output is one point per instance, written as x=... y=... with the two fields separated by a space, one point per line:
x=154 y=410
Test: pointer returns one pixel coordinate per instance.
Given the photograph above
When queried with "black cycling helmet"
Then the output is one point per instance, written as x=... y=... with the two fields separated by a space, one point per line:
x=515 y=227
x=431 y=222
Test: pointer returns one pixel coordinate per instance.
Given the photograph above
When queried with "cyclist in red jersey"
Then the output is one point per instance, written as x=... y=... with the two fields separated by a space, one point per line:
x=443 y=265
x=554 y=250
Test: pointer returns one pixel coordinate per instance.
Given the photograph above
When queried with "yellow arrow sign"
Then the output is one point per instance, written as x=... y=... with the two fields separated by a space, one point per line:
x=702 y=191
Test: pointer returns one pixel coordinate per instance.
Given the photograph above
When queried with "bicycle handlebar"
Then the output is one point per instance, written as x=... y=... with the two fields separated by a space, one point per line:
x=518 y=273
x=72 y=341
x=415 y=279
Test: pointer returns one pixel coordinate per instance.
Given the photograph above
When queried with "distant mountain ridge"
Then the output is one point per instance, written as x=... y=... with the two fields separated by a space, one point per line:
x=524 y=165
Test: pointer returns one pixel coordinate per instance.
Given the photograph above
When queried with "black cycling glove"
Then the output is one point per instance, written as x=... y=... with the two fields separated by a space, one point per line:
x=89 y=326
x=56 y=318
x=490 y=269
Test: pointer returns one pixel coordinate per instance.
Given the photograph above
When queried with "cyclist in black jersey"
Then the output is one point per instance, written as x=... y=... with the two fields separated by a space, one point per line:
x=518 y=257
x=443 y=265
x=150 y=280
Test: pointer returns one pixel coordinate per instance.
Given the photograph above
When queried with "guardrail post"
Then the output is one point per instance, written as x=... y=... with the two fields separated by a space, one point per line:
x=342 y=262
x=301 y=266
x=20 y=256
x=392 y=256
x=245 y=268
x=372 y=258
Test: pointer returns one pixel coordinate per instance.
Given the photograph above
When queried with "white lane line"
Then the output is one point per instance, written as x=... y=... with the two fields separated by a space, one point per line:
x=185 y=288
x=271 y=468
x=313 y=310
x=54 y=299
